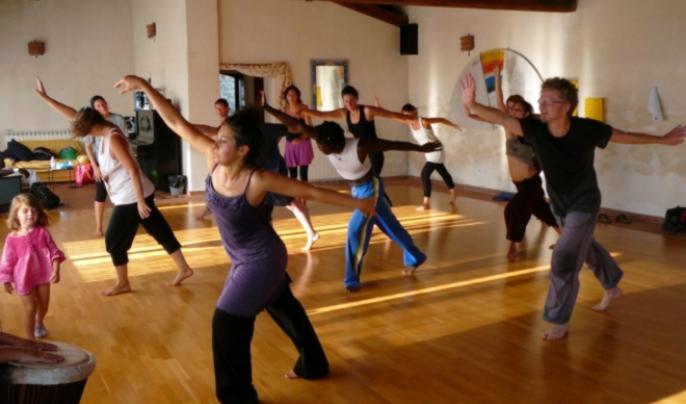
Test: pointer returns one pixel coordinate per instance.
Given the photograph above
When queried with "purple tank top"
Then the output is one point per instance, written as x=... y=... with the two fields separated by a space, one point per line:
x=258 y=256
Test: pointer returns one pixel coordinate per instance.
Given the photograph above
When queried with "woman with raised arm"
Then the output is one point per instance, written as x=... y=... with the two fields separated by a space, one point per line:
x=298 y=153
x=131 y=193
x=525 y=173
x=422 y=131
x=236 y=192
x=349 y=156
x=360 y=120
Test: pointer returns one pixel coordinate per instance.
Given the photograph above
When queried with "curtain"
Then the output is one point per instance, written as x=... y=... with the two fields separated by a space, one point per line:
x=280 y=69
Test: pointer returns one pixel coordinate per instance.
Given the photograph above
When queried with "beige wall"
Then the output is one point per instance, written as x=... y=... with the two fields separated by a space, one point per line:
x=182 y=60
x=295 y=31
x=617 y=49
x=88 y=47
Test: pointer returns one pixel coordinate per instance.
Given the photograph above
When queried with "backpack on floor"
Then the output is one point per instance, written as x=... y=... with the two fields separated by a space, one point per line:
x=83 y=174
x=46 y=196
x=675 y=220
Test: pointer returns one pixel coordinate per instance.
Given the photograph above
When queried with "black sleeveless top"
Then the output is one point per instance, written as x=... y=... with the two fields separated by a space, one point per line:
x=364 y=129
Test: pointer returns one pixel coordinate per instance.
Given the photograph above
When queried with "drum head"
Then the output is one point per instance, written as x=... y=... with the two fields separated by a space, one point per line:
x=78 y=365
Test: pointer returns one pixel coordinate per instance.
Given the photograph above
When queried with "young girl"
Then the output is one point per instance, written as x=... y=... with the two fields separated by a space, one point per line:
x=30 y=261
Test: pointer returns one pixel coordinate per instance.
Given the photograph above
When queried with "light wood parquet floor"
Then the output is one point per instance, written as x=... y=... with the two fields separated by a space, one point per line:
x=466 y=328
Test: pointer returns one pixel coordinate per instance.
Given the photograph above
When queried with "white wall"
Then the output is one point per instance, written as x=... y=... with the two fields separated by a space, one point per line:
x=295 y=31
x=616 y=49
x=182 y=60
x=88 y=48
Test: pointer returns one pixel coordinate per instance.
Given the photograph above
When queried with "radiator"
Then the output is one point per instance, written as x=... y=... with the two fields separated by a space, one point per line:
x=21 y=135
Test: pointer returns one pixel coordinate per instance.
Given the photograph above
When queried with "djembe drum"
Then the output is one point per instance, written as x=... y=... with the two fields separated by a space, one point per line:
x=58 y=383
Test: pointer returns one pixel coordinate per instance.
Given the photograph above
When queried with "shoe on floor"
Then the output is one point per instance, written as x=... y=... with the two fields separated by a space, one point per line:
x=40 y=331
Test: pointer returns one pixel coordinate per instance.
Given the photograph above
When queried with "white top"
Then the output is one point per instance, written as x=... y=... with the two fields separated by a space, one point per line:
x=424 y=135
x=347 y=162
x=95 y=140
x=117 y=178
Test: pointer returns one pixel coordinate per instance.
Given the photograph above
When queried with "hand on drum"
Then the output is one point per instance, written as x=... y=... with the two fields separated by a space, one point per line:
x=34 y=356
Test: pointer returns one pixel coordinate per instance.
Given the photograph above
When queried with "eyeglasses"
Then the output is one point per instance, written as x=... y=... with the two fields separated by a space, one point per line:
x=548 y=101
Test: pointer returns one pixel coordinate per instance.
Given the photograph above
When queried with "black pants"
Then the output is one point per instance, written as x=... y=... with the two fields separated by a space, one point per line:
x=124 y=224
x=293 y=172
x=426 y=176
x=100 y=191
x=231 y=337
x=528 y=201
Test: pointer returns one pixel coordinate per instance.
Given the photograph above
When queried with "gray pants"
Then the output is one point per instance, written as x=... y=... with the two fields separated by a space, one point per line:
x=576 y=245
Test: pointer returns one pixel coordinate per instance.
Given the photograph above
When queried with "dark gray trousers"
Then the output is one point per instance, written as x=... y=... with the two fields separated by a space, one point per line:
x=574 y=247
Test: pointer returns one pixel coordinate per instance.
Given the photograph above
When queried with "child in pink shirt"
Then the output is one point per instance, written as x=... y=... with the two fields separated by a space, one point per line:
x=30 y=261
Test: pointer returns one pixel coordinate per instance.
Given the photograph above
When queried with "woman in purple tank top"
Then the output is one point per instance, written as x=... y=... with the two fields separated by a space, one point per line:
x=236 y=191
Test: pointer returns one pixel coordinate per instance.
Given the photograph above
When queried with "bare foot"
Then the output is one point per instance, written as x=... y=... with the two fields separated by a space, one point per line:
x=610 y=295
x=117 y=290
x=310 y=241
x=409 y=271
x=453 y=196
x=204 y=214
x=290 y=375
x=98 y=232
x=512 y=252
x=180 y=276
x=556 y=332
x=423 y=207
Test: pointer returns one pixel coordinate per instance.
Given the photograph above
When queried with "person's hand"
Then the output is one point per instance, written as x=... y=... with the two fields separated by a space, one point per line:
x=468 y=91
x=40 y=88
x=377 y=103
x=129 y=83
x=8 y=288
x=675 y=136
x=431 y=146
x=34 y=356
x=368 y=206
x=55 y=278
x=263 y=99
x=97 y=175
x=143 y=209
x=41 y=346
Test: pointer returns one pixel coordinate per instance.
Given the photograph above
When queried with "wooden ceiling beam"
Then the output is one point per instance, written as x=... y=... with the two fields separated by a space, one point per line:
x=377 y=12
x=520 y=5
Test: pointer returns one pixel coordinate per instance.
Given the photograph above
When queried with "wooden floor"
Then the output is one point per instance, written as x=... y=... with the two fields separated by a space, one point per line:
x=466 y=328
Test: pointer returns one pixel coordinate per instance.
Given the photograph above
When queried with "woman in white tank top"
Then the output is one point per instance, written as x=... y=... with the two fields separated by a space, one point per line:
x=423 y=133
x=130 y=190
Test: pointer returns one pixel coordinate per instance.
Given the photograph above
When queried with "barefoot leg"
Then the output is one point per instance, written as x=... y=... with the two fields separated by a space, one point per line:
x=122 y=285
x=610 y=295
x=512 y=251
x=556 y=332
x=426 y=204
x=184 y=271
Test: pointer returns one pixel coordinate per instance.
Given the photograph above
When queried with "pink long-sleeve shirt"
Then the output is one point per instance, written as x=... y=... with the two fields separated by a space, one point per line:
x=27 y=259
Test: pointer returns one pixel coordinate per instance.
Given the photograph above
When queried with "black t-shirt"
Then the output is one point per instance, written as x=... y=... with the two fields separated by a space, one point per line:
x=568 y=162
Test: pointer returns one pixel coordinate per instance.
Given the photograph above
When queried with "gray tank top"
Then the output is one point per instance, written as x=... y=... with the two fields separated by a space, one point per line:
x=523 y=152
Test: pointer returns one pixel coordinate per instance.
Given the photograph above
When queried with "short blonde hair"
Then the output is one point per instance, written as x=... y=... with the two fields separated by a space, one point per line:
x=28 y=200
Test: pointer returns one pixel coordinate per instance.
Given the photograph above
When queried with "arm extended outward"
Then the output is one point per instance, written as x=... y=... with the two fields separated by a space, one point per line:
x=487 y=114
x=672 y=138
x=171 y=116
x=65 y=110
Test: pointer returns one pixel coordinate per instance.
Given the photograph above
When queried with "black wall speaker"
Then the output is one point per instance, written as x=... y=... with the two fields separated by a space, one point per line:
x=408 y=40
